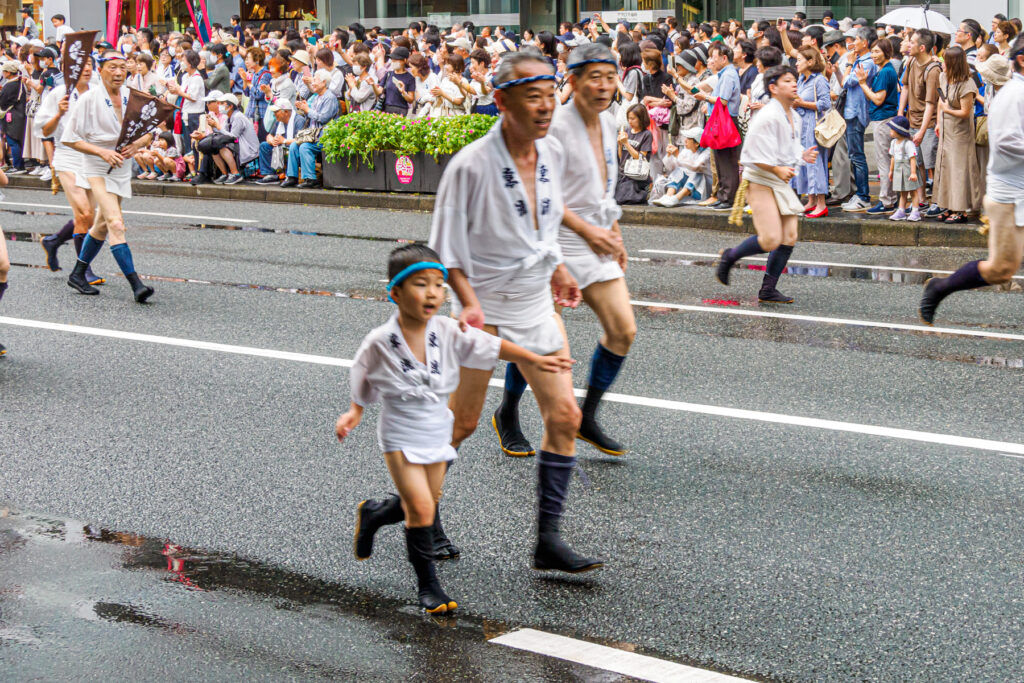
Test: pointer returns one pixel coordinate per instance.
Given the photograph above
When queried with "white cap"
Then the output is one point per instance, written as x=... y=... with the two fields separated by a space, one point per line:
x=282 y=104
x=213 y=96
x=462 y=42
x=19 y=40
x=229 y=97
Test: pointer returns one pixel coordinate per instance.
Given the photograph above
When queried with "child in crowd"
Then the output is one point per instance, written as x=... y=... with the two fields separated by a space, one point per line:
x=411 y=364
x=164 y=156
x=903 y=169
x=688 y=169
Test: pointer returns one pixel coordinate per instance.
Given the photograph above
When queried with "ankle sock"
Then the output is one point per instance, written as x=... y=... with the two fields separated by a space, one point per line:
x=123 y=256
x=777 y=260
x=90 y=247
x=747 y=247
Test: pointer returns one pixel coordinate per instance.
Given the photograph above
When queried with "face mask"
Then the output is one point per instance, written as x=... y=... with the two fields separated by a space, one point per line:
x=357 y=70
x=172 y=51
x=560 y=48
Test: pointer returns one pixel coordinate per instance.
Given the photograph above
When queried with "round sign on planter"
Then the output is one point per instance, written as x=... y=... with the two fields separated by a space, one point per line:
x=404 y=169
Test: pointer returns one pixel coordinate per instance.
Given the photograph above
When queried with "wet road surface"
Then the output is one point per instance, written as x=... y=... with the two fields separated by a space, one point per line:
x=823 y=497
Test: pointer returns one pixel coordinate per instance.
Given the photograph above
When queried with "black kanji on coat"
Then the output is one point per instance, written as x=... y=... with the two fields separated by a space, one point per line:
x=432 y=340
x=406 y=365
x=393 y=340
x=543 y=171
x=509 y=176
x=521 y=208
x=545 y=206
x=435 y=367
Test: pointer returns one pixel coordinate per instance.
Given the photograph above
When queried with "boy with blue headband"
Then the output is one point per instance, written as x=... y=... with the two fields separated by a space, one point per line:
x=411 y=364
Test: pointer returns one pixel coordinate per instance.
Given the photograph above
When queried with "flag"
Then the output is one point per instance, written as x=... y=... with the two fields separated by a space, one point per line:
x=197 y=8
x=142 y=13
x=76 y=51
x=113 y=21
x=142 y=116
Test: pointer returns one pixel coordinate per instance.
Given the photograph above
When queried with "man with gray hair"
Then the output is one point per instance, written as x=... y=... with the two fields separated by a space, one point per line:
x=319 y=110
x=591 y=243
x=496 y=225
x=856 y=114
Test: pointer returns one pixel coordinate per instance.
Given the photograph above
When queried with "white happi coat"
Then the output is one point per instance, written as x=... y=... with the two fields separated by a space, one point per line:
x=585 y=194
x=773 y=140
x=64 y=158
x=415 y=418
x=484 y=225
x=95 y=121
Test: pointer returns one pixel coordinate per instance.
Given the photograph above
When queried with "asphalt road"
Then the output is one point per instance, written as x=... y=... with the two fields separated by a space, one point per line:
x=755 y=544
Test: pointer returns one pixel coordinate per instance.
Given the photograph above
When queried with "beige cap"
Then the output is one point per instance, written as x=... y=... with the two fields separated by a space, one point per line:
x=302 y=57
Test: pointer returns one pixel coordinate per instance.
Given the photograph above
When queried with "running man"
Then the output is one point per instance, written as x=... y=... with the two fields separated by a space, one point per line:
x=67 y=164
x=1004 y=196
x=503 y=273
x=93 y=130
x=771 y=153
x=591 y=244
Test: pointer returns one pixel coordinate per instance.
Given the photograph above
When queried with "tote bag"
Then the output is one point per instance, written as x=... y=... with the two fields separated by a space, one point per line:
x=832 y=126
x=720 y=131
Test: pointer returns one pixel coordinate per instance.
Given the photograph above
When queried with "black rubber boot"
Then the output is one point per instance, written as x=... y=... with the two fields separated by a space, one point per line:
x=371 y=515
x=510 y=435
x=551 y=553
x=90 y=277
x=141 y=291
x=725 y=264
x=590 y=431
x=444 y=549
x=769 y=294
x=51 y=243
x=419 y=543
x=930 y=301
x=78 y=280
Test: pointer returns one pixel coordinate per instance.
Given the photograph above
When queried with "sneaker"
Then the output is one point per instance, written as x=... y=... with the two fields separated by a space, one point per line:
x=668 y=201
x=46 y=175
x=220 y=180
x=173 y=179
x=856 y=205
x=899 y=215
x=269 y=180
x=17 y=171
x=915 y=216
x=721 y=206
x=234 y=179
x=37 y=171
x=879 y=208
x=933 y=211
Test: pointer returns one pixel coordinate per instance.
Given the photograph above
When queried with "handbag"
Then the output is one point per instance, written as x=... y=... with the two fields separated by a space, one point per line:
x=379 y=104
x=277 y=159
x=637 y=169
x=309 y=134
x=981 y=131
x=720 y=131
x=832 y=126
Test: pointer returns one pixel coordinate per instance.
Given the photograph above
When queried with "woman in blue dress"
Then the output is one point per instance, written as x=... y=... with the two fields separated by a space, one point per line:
x=813 y=101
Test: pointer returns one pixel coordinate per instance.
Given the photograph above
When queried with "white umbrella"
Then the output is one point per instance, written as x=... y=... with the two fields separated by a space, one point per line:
x=918 y=17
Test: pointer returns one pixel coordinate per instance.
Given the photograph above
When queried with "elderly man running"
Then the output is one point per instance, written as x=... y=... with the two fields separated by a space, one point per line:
x=591 y=244
x=93 y=129
x=503 y=272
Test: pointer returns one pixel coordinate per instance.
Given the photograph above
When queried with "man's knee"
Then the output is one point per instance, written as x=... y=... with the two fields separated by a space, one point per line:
x=769 y=242
x=564 y=417
x=623 y=335
x=115 y=230
x=5 y=266
x=463 y=427
x=419 y=511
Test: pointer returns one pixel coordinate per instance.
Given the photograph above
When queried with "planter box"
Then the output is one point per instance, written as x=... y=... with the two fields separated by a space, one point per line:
x=339 y=176
x=421 y=173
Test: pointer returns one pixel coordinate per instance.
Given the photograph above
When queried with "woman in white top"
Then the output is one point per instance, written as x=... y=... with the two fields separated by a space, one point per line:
x=360 y=93
x=145 y=79
x=191 y=90
x=771 y=153
x=449 y=100
x=426 y=81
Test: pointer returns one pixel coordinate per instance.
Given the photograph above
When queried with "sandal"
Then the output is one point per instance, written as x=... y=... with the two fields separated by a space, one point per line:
x=957 y=218
x=943 y=216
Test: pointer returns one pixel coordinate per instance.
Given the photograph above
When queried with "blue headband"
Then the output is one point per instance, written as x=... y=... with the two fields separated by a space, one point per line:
x=577 y=65
x=524 y=81
x=414 y=268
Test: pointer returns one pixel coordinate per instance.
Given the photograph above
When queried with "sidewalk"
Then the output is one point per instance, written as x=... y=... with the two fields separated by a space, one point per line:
x=844 y=228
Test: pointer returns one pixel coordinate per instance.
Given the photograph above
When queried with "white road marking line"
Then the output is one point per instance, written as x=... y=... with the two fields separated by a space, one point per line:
x=608 y=658
x=140 y=213
x=1000 y=447
x=1006 y=336
x=899 y=269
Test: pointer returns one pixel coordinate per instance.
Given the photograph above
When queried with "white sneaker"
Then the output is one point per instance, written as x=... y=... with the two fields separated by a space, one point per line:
x=46 y=175
x=669 y=201
x=37 y=171
x=856 y=205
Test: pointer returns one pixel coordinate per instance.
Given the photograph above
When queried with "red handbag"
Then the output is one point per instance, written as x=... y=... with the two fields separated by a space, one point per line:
x=720 y=131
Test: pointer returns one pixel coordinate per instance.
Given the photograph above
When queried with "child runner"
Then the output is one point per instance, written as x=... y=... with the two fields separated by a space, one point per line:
x=412 y=363
x=903 y=169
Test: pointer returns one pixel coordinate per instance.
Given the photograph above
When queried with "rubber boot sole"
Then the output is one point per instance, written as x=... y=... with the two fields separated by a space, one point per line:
x=47 y=252
x=441 y=609
x=355 y=537
x=514 y=454
x=582 y=570
x=600 y=448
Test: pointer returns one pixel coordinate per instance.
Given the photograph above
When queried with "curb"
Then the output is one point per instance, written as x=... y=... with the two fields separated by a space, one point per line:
x=842 y=229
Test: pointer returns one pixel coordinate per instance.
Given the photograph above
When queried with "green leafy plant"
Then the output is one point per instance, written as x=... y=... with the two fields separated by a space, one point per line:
x=358 y=136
